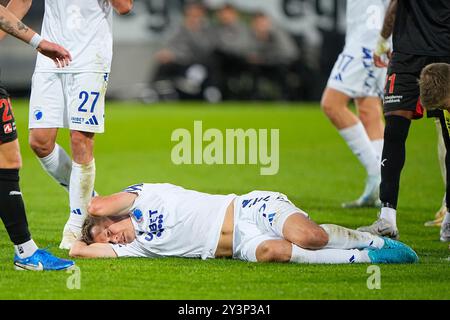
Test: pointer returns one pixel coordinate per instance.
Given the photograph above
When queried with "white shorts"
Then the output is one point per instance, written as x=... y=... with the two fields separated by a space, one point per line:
x=355 y=75
x=68 y=100
x=259 y=216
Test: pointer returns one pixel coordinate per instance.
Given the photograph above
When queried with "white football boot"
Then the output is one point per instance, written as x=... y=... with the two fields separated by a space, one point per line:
x=445 y=232
x=382 y=228
x=370 y=196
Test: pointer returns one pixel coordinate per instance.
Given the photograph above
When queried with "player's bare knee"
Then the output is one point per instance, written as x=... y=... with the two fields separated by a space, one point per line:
x=321 y=238
x=41 y=147
x=328 y=107
x=312 y=238
x=369 y=117
x=273 y=251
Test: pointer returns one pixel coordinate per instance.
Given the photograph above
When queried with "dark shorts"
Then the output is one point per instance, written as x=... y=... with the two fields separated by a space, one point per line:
x=401 y=90
x=8 y=131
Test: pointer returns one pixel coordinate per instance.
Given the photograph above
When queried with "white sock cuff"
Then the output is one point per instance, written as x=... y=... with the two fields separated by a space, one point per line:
x=378 y=146
x=88 y=165
x=52 y=155
x=352 y=131
x=297 y=254
x=446 y=218
x=26 y=249
x=389 y=214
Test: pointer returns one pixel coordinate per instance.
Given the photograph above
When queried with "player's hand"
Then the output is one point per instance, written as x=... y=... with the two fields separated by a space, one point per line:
x=58 y=54
x=382 y=53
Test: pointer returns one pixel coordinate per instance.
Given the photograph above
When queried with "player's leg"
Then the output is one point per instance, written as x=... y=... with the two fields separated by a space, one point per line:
x=47 y=104
x=274 y=250
x=261 y=218
x=393 y=159
x=370 y=114
x=53 y=158
x=439 y=216
x=348 y=80
x=334 y=104
x=279 y=216
x=305 y=233
x=445 y=226
x=12 y=210
x=82 y=179
x=401 y=105
x=265 y=248
x=85 y=93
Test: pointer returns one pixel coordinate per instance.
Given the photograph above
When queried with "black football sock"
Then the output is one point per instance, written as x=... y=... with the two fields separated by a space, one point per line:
x=393 y=158
x=12 y=209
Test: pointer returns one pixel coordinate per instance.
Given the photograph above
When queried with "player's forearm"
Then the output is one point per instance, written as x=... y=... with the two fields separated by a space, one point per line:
x=389 y=19
x=114 y=205
x=96 y=250
x=13 y=26
x=122 y=6
x=19 y=8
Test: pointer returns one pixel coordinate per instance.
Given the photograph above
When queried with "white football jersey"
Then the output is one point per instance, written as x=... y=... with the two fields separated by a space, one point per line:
x=84 y=27
x=364 y=22
x=172 y=221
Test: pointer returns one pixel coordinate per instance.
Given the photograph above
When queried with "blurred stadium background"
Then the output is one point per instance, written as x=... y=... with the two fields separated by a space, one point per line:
x=317 y=27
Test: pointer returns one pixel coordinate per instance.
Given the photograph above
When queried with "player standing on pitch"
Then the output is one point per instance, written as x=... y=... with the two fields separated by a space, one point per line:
x=355 y=77
x=12 y=210
x=421 y=36
x=73 y=98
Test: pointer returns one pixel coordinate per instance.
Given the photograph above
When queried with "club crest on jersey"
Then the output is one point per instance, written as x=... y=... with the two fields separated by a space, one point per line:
x=38 y=114
x=137 y=215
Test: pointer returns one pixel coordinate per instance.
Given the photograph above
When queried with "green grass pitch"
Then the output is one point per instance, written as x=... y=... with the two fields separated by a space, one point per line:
x=317 y=172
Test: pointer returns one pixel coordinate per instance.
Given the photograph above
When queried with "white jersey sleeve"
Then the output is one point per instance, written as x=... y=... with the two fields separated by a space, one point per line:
x=84 y=28
x=134 y=249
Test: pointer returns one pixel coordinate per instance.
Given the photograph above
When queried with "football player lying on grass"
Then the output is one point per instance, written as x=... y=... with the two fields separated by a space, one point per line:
x=164 y=220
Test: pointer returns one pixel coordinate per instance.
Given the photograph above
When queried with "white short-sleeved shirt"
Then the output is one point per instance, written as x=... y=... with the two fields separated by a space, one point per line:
x=364 y=20
x=354 y=72
x=84 y=27
x=172 y=221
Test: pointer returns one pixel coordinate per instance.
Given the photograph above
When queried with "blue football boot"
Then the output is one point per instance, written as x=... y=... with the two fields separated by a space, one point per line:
x=403 y=254
x=391 y=244
x=42 y=260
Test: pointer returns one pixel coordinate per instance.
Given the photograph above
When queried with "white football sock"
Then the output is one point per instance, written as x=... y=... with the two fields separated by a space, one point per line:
x=82 y=181
x=446 y=218
x=26 y=249
x=378 y=147
x=343 y=238
x=58 y=165
x=390 y=215
x=358 y=141
x=328 y=256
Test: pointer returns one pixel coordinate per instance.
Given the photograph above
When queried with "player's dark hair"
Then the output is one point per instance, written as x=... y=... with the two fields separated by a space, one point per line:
x=86 y=230
x=434 y=85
